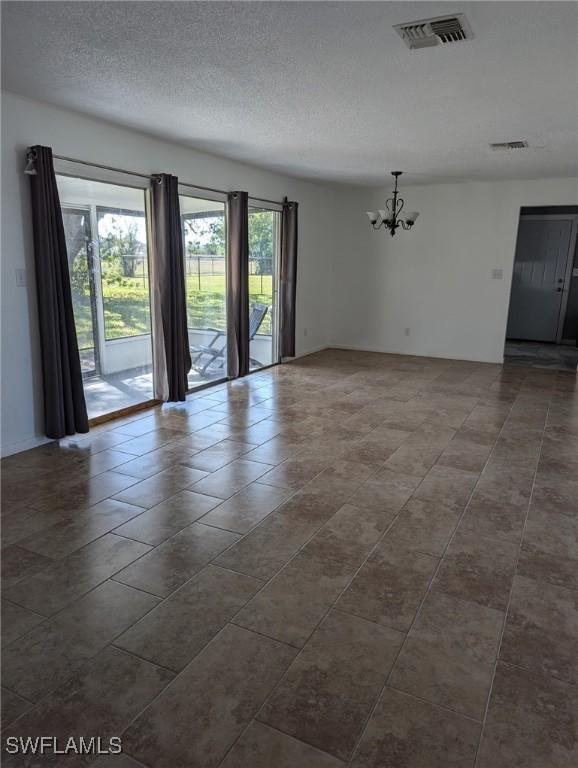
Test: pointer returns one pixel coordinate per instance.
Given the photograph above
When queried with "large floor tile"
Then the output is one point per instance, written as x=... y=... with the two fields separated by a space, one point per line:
x=150 y=492
x=449 y=656
x=406 y=733
x=232 y=478
x=74 y=532
x=542 y=629
x=448 y=485
x=462 y=453
x=264 y=747
x=23 y=522
x=172 y=563
x=459 y=625
x=101 y=699
x=532 y=722
x=415 y=458
x=341 y=478
x=554 y=496
x=275 y=450
x=218 y=455
x=439 y=673
x=264 y=551
x=480 y=570
x=85 y=493
x=12 y=706
x=161 y=522
x=206 y=708
x=292 y=604
x=550 y=548
x=37 y=662
x=16 y=621
x=494 y=517
x=294 y=472
x=389 y=588
x=386 y=490
x=376 y=447
x=19 y=564
x=73 y=576
x=174 y=632
x=166 y=456
x=350 y=535
x=426 y=526
x=247 y=508
x=329 y=690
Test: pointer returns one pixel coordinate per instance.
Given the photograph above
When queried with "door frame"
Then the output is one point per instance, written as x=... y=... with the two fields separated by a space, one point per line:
x=573 y=217
x=93 y=266
x=199 y=193
x=257 y=205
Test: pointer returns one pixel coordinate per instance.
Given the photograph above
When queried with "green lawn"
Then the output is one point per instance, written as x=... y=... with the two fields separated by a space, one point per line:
x=127 y=313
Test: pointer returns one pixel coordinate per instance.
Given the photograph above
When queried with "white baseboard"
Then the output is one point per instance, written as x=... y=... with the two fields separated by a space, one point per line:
x=24 y=445
x=381 y=351
x=311 y=351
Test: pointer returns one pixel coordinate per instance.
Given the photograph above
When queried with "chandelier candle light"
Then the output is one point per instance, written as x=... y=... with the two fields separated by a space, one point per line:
x=391 y=218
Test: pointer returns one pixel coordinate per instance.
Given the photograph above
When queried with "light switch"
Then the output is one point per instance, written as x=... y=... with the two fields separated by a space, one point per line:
x=21 y=278
x=497 y=274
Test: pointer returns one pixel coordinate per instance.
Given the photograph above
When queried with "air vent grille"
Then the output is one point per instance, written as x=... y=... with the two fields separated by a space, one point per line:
x=500 y=146
x=441 y=30
x=449 y=30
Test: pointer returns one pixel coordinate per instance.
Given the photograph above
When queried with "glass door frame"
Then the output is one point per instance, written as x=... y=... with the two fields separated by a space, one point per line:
x=94 y=280
x=195 y=193
x=66 y=168
x=257 y=205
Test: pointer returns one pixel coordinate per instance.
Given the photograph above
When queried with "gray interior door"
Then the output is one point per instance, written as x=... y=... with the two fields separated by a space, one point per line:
x=538 y=279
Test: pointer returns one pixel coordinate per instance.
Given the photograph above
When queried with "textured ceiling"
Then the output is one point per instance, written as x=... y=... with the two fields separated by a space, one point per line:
x=314 y=89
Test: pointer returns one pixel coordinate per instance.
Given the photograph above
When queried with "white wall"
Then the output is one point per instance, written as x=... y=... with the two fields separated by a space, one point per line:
x=26 y=122
x=436 y=279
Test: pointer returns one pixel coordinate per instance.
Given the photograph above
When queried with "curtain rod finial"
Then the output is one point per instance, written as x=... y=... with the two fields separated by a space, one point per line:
x=30 y=168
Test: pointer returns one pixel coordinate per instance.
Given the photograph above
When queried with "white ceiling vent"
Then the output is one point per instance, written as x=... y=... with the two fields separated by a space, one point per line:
x=441 y=30
x=500 y=146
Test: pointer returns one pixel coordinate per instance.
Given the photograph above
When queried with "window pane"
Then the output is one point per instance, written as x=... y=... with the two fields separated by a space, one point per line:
x=124 y=273
x=263 y=248
x=106 y=239
x=76 y=230
x=203 y=223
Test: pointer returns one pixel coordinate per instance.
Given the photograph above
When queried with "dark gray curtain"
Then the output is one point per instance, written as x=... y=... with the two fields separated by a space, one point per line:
x=238 y=284
x=64 y=404
x=169 y=292
x=288 y=278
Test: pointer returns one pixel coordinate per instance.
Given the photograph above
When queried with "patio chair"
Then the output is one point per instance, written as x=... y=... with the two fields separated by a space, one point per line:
x=213 y=355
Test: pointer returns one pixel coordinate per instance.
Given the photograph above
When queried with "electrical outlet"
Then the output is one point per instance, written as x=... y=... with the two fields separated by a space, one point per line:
x=407 y=331
x=305 y=331
x=497 y=274
x=21 y=278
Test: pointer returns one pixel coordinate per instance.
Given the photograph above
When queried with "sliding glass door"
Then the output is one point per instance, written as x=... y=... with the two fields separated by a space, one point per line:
x=106 y=237
x=264 y=226
x=203 y=225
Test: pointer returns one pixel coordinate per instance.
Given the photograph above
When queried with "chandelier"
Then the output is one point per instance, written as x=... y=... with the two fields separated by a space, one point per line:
x=391 y=218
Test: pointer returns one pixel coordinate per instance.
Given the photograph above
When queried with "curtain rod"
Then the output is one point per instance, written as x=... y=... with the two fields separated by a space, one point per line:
x=151 y=176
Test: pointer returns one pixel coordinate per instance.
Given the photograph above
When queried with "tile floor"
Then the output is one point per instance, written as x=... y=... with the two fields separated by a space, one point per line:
x=555 y=356
x=353 y=560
